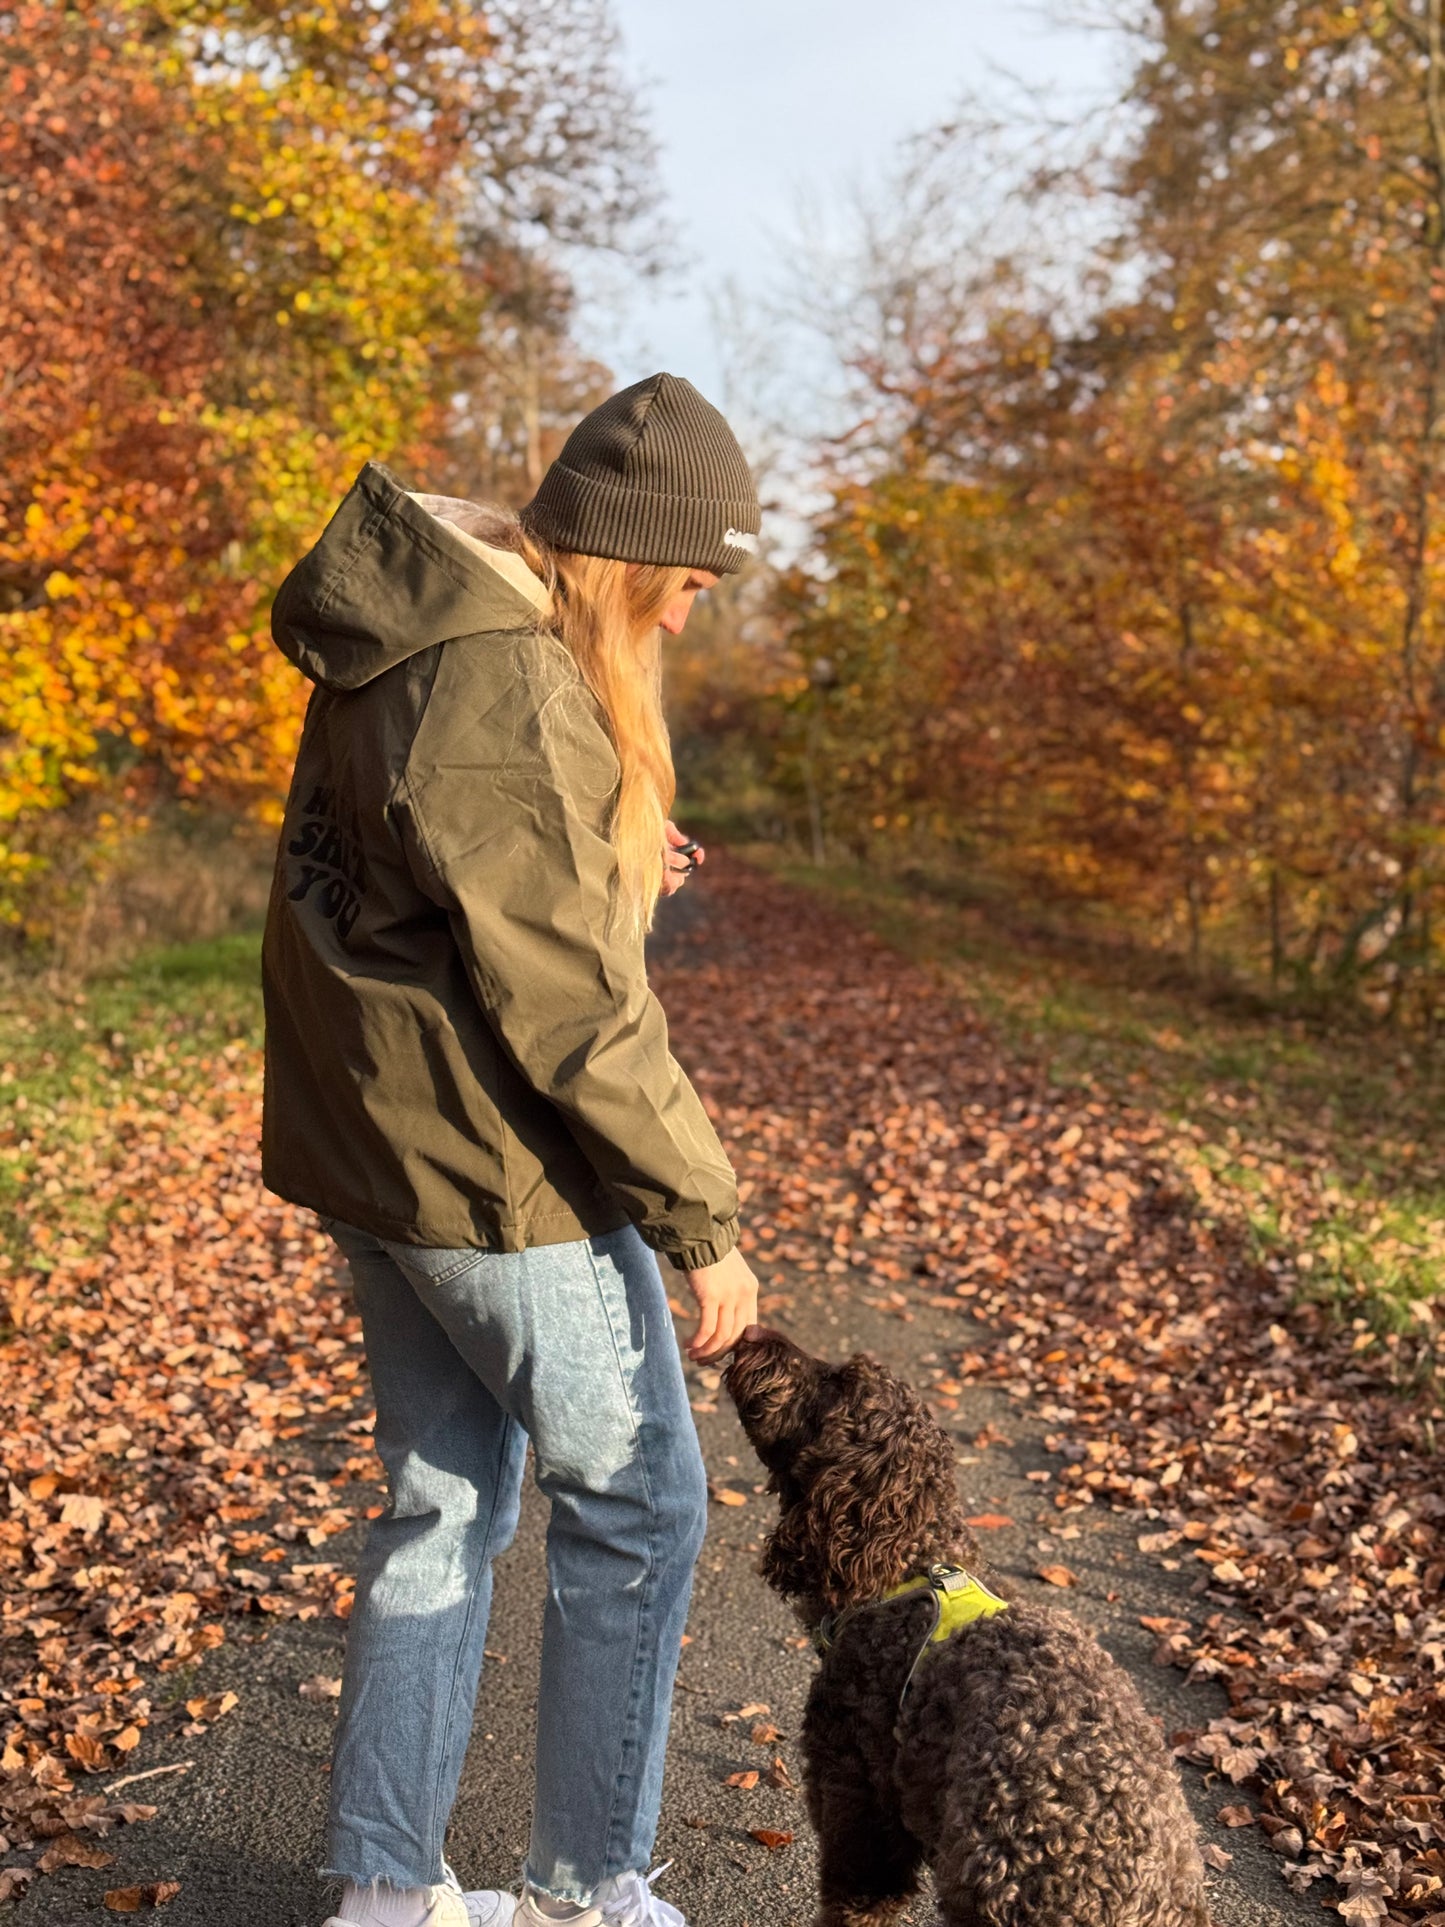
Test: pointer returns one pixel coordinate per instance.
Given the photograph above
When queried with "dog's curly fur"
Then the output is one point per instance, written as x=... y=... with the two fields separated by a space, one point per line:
x=1022 y=1766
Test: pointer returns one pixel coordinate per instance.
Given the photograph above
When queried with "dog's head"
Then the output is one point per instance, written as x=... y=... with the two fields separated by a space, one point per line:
x=863 y=1473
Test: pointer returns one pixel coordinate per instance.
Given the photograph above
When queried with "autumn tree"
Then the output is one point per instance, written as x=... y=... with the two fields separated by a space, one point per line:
x=249 y=246
x=1132 y=572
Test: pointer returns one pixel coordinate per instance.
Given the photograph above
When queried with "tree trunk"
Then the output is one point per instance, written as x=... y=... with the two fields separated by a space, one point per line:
x=1276 y=928
x=1193 y=882
x=1424 y=697
x=810 y=784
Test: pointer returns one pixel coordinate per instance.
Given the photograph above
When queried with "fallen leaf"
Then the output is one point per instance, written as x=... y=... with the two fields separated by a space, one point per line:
x=725 y=1495
x=770 y=1838
x=213 y=1708
x=989 y=1521
x=1058 y=1576
x=764 y=1734
x=69 y=1850
x=86 y=1751
x=744 y=1782
x=1215 y=1856
x=50 y=1774
x=778 y=1776
x=82 y=1510
x=130 y=1900
x=321 y=1687
x=1235 y=1817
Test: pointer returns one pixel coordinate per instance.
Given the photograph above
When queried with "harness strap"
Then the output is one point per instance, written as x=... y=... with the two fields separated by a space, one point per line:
x=958 y=1600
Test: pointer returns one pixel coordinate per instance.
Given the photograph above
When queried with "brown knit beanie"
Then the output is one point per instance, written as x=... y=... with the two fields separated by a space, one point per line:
x=653 y=475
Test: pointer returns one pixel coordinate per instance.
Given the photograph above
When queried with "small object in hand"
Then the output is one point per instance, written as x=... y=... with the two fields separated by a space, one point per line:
x=690 y=850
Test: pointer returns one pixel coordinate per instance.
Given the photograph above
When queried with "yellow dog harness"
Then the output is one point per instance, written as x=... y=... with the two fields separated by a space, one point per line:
x=958 y=1601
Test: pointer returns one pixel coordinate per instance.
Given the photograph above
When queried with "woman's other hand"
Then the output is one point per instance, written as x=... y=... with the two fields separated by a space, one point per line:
x=676 y=868
x=727 y=1303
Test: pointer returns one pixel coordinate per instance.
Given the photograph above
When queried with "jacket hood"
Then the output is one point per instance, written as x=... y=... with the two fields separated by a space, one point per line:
x=393 y=574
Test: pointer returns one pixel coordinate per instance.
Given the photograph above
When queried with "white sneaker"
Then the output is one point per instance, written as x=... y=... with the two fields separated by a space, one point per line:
x=624 y=1900
x=447 y=1908
x=627 y=1900
x=487 y=1908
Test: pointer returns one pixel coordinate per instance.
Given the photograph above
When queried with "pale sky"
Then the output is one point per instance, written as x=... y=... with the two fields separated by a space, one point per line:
x=761 y=104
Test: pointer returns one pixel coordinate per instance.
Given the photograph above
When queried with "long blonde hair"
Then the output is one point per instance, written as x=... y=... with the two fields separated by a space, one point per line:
x=606 y=615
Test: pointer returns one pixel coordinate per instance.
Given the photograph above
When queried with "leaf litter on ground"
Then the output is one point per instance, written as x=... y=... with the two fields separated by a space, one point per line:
x=183 y=1403
x=184 y=1395
x=889 y=1145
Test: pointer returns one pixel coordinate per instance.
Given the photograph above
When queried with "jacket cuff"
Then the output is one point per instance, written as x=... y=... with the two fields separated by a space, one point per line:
x=694 y=1257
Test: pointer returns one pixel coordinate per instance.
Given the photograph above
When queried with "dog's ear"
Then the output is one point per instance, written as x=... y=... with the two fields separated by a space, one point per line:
x=883 y=1489
x=792 y=1562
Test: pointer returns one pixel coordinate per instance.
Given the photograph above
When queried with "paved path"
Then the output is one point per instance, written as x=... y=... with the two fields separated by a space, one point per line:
x=241 y=1830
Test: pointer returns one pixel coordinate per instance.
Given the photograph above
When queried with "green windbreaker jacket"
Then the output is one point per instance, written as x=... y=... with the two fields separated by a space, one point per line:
x=461 y=1047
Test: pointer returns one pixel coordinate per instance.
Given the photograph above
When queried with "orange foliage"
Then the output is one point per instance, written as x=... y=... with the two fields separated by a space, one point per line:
x=248 y=246
x=1136 y=595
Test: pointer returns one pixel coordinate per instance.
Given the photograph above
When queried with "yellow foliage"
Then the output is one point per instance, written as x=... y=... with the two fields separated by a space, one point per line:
x=296 y=234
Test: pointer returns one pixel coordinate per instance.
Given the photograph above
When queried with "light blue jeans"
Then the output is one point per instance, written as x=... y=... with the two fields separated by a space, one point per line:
x=472 y=1354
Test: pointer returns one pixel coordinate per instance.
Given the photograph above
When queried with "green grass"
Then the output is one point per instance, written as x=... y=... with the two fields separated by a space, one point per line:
x=1326 y=1141
x=145 y=1037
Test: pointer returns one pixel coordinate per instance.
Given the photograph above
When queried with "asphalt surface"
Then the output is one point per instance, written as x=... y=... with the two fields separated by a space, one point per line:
x=241 y=1828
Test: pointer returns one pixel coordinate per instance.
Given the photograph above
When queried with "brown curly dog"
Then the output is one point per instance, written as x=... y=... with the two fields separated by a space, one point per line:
x=1019 y=1763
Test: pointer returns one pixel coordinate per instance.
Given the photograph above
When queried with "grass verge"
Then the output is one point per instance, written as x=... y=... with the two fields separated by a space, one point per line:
x=1327 y=1144
x=178 y=1026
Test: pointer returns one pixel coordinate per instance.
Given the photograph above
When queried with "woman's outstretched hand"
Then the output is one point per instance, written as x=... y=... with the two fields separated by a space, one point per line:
x=676 y=868
x=727 y=1303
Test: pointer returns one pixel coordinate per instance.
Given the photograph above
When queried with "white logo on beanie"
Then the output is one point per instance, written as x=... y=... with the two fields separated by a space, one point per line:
x=740 y=539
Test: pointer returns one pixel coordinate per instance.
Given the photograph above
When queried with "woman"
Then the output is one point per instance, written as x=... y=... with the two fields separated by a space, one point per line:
x=467 y=1077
